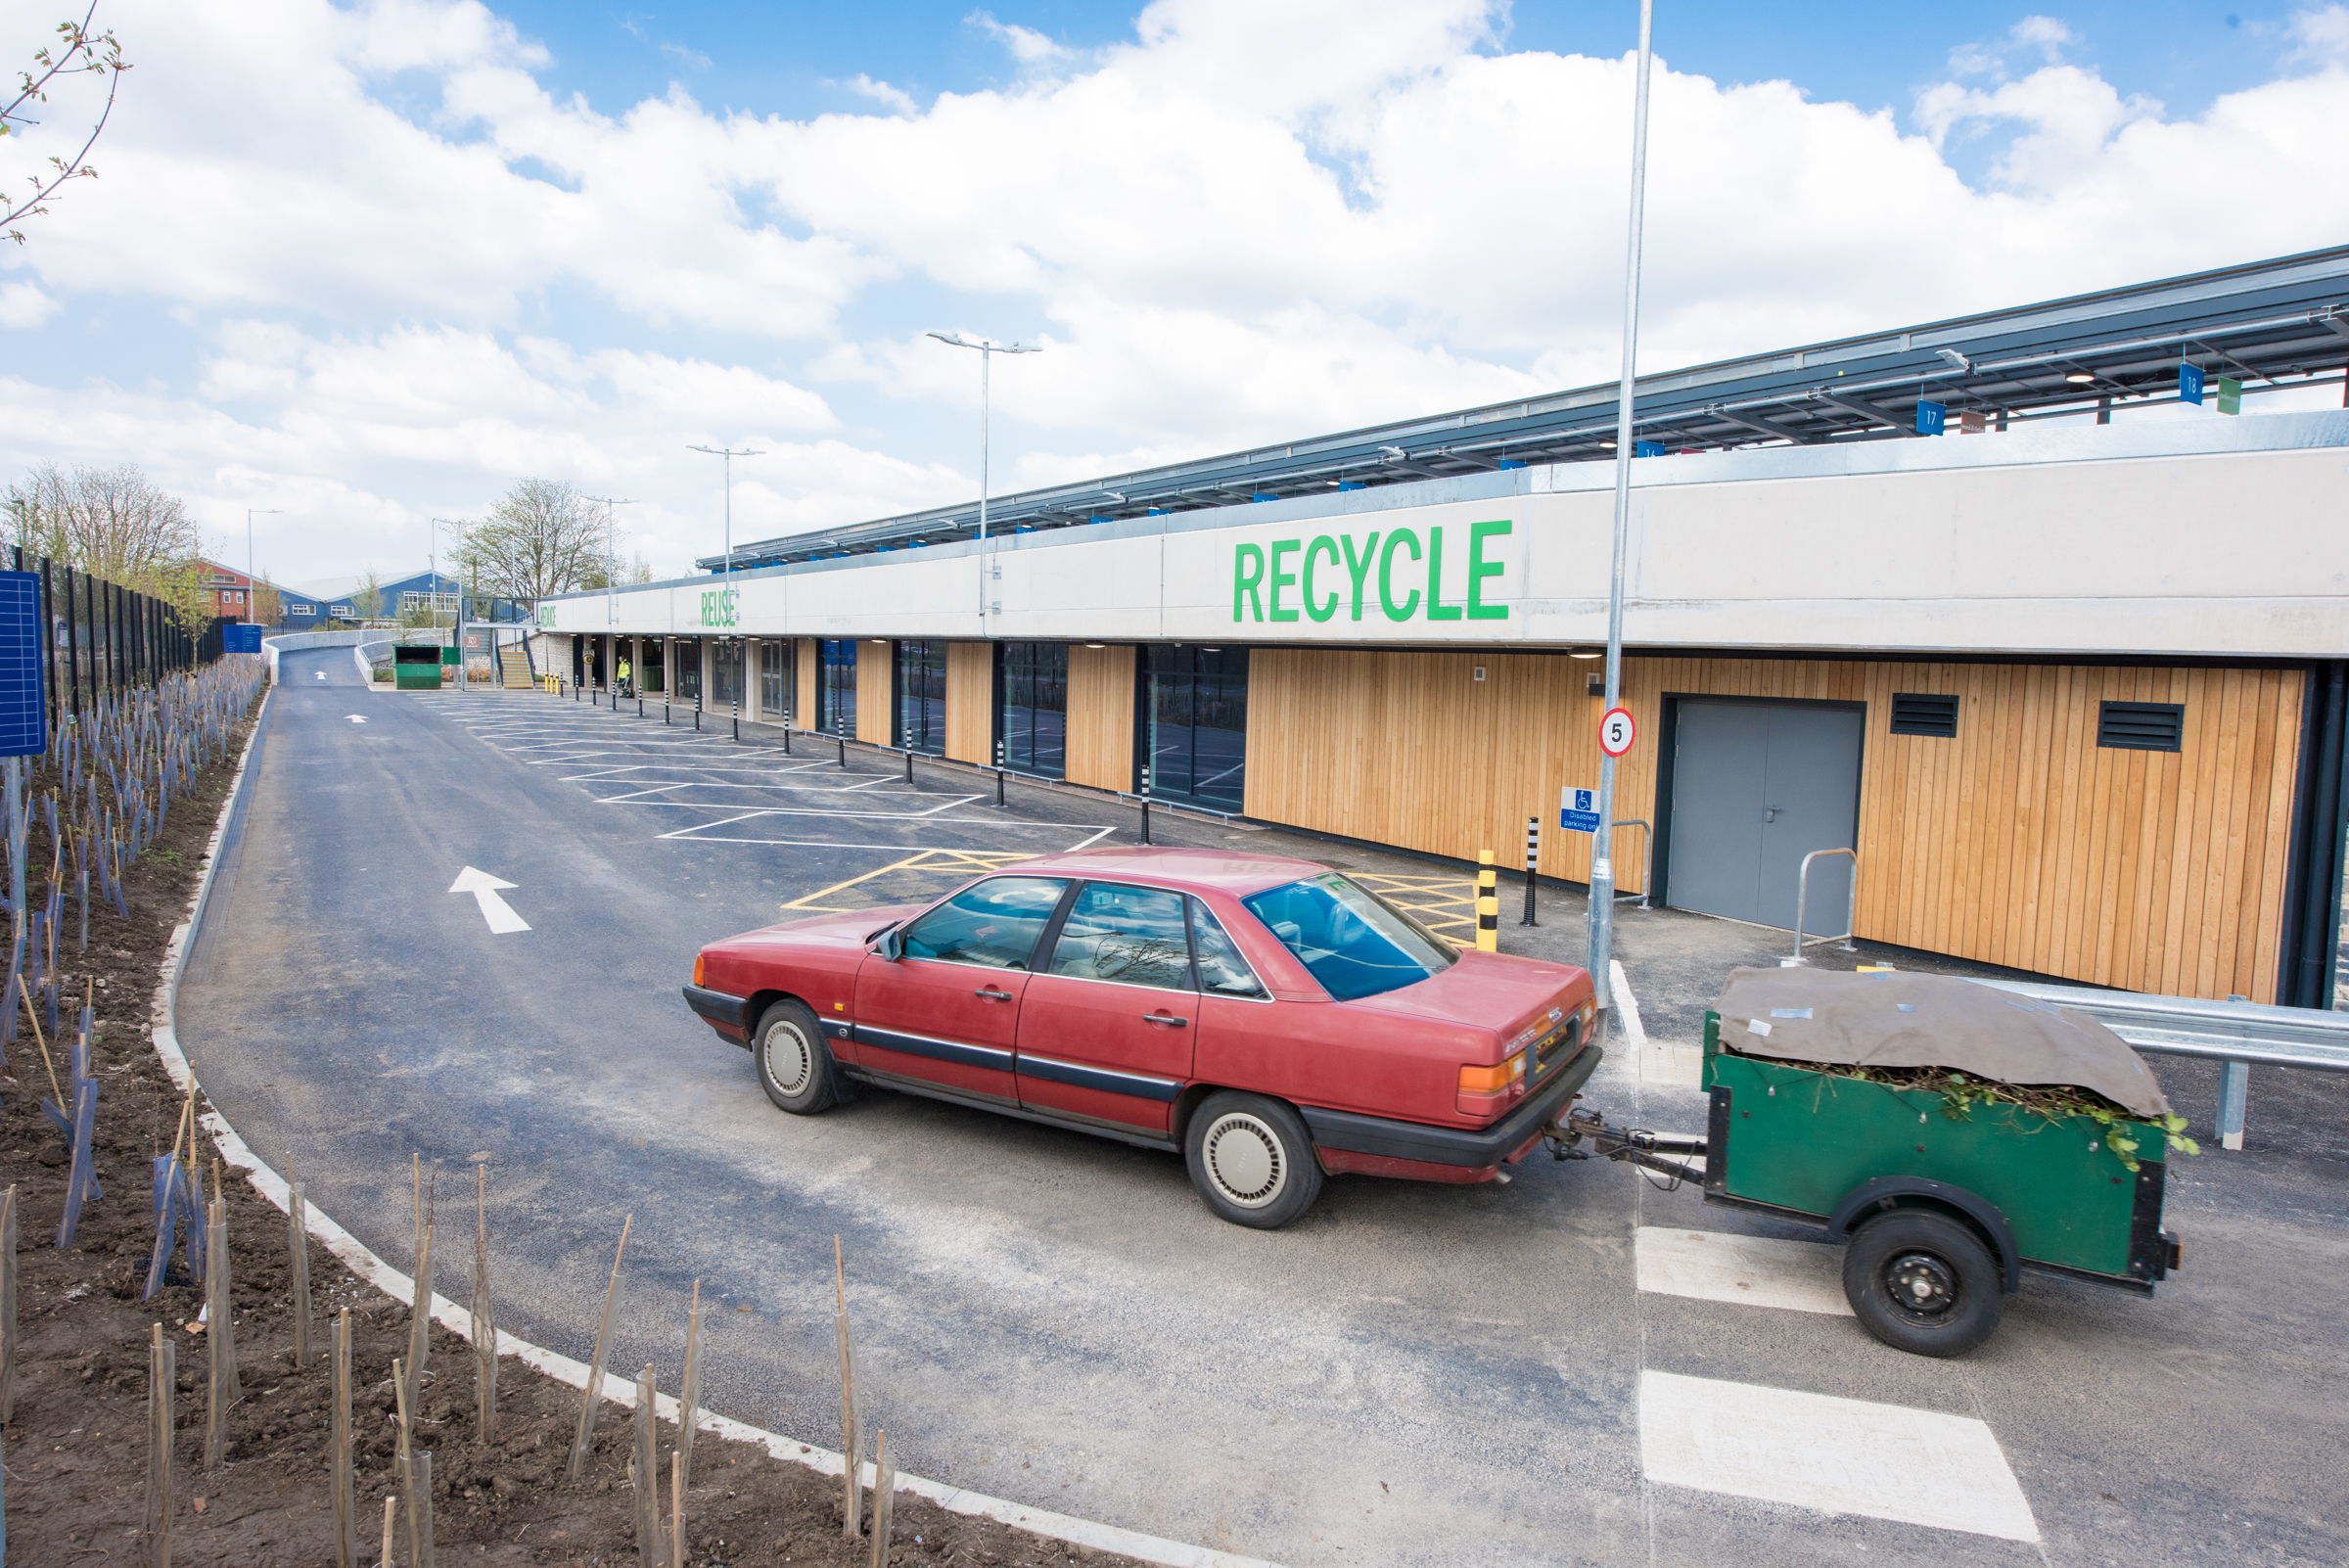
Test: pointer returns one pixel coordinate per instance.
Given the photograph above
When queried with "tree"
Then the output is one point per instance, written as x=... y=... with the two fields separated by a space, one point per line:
x=78 y=52
x=265 y=603
x=542 y=538
x=111 y=523
x=368 y=601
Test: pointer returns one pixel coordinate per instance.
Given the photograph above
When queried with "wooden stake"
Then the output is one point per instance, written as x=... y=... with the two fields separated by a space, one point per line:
x=420 y=1321
x=298 y=1246
x=162 y=1392
x=645 y=1478
x=405 y=1452
x=36 y=1019
x=419 y=1512
x=8 y=1304
x=885 y=1494
x=389 y=1501
x=689 y=1394
x=595 y=1368
x=676 y=1512
x=222 y=1348
x=347 y=1520
x=484 y=1318
x=852 y=1503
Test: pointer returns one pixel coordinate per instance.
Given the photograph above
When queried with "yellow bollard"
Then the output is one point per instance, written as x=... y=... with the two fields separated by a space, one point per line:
x=1488 y=903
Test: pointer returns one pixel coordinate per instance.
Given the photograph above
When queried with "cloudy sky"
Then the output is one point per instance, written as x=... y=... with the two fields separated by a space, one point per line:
x=369 y=263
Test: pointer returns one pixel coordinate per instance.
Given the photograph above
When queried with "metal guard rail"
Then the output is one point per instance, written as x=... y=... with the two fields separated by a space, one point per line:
x=2221 y=1030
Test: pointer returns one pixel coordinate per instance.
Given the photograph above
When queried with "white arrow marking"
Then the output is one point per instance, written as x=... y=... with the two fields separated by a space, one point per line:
x=321 y=675
x=494 y=909
x=358 y=718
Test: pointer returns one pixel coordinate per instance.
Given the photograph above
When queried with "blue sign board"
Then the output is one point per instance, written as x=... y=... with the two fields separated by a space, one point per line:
x=241 y=638
x=1648 y=449
x=1577 y=811
x=24 y=703
x=1931 y=417
x=2189 y=384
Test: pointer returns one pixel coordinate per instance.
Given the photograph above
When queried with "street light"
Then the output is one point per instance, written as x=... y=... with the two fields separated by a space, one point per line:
x=987 y=353
x=729 y=454
x=250 y=513
x=1602 y=846
x=612 y=567
x=457 y=622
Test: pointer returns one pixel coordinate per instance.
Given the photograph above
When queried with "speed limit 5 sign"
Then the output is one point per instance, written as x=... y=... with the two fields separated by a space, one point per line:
x=1616 y=731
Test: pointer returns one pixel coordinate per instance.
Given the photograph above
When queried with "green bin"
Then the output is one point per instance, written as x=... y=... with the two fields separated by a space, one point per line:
x=415 y=668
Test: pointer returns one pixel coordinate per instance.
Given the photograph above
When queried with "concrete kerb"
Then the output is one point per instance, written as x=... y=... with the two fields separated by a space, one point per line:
x=458 y=1320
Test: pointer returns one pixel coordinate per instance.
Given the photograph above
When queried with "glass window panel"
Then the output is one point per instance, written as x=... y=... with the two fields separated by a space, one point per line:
x=995 y=924
x=1351 y=940
x=1221 y=969
x=1133 y=936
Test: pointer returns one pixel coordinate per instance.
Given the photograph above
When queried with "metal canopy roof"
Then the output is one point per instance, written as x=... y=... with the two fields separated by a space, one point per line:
x=2277 y=323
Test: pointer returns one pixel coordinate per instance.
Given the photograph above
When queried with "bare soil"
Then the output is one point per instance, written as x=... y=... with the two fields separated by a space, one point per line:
x=75 y=1444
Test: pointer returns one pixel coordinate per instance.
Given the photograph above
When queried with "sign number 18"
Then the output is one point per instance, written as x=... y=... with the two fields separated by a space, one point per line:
x=1617 y=731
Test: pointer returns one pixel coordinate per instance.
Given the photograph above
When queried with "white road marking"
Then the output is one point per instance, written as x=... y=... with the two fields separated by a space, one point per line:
x=1837 y=1456
x=358 y=718
x=494 y=909
x=1655 y=1061
x=1804 y=1277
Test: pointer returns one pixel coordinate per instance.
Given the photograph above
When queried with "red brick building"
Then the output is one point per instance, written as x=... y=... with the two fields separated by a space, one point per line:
x=226 y=592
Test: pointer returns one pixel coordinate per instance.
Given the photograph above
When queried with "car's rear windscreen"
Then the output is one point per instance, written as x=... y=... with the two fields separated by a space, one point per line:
x=1354 y=943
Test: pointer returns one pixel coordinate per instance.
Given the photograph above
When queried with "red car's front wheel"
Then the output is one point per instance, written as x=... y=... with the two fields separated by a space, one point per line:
x=1252 y=1160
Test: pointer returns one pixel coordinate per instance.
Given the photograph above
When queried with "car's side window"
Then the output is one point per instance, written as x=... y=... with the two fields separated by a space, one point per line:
x=994 y=923
x=1133 y=936
x=1222 y=970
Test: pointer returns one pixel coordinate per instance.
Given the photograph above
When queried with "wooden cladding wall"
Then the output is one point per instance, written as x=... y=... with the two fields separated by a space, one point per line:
x=2020 y=842
x=1101 y=717
x=876 y=676
x=970 y=701
x=806 y=666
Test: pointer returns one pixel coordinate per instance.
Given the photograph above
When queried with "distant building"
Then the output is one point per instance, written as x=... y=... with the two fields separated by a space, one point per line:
x=226 y=592
x=343 y=600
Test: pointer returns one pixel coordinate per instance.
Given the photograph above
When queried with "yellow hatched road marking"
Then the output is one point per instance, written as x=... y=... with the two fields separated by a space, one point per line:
x=941 y=861
x=1436 y=901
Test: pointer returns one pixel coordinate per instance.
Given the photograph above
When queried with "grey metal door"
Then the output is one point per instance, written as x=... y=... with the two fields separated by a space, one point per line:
x=1754 y=789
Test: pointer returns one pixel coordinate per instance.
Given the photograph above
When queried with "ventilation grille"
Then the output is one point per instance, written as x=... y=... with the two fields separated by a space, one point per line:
x=1916 y=712
x=2141 y=726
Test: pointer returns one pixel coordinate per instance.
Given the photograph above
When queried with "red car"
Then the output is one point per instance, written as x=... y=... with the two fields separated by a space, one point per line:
x=1268 y=1018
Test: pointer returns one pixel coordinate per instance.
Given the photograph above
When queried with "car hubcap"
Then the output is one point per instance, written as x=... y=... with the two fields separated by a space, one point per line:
x=1922 y=1287
x=789 y=1062
x=1244 y=1160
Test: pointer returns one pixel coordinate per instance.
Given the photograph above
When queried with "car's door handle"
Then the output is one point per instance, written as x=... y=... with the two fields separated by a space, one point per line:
x=1167 y=1019
x=1770 y=813
x=989 y=993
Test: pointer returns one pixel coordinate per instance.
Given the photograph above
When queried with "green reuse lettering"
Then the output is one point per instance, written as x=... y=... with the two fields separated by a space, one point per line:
x=1271 y=582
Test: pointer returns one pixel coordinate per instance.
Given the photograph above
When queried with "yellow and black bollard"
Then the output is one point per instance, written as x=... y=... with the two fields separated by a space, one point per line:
x=1488 y=903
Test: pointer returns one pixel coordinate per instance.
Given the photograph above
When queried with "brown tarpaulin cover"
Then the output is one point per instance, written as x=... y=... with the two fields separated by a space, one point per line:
x=1902 y=1020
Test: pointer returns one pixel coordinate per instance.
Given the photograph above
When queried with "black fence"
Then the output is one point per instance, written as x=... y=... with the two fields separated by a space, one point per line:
x=102 y=637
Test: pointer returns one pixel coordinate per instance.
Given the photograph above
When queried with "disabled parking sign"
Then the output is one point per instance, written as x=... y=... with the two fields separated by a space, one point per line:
x=1577 y=811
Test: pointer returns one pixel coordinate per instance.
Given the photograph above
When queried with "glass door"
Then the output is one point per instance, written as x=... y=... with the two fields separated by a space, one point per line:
x=921 y=686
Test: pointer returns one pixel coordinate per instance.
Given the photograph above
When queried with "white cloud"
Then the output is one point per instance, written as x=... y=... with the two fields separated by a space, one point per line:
x=414 y=273
x=24 y=305
x=1027 y=46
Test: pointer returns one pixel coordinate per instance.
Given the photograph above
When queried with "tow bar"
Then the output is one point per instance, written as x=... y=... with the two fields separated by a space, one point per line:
x=1636 y=1146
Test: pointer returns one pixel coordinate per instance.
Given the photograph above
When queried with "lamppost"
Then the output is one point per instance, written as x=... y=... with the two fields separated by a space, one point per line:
x=250 y=513
x=1602 y=846
x=988 y=350
x=729 y=454
x=456 y=633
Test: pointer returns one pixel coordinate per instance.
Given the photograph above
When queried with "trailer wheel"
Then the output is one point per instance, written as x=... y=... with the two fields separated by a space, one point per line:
x=795 y=1065
x=1923 y=1282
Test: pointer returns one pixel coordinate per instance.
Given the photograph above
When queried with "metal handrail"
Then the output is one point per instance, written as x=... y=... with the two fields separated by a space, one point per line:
x=1802 y=897
x=1647 y=878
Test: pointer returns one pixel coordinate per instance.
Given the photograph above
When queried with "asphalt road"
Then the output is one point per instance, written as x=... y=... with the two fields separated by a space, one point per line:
x=1409 y=1375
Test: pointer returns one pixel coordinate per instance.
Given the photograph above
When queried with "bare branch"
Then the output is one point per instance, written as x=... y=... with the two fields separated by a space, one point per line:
x=102 y=54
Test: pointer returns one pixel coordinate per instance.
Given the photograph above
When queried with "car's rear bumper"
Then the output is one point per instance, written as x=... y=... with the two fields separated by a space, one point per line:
x=1462 y=1148
x=721 y=1010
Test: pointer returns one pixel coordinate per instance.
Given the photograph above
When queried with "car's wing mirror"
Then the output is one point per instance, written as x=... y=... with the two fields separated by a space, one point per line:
x=893 y=944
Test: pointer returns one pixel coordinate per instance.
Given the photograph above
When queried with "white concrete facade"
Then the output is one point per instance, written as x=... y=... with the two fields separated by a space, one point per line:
x=2216 y=539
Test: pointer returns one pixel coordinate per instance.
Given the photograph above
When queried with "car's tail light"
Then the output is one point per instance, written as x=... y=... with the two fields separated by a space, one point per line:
x=1484 y=1090
x=699 y=961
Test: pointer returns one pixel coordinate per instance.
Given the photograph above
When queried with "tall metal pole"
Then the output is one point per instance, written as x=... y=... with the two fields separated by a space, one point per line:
x=1602 y=849
x=988 y=350
x=729 y=453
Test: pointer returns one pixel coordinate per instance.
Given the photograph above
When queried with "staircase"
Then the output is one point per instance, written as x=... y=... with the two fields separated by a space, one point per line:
x=513 y=669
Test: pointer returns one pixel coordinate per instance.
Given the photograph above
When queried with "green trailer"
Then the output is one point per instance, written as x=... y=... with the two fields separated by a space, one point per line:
x=417 y=668
x=1946 y=1201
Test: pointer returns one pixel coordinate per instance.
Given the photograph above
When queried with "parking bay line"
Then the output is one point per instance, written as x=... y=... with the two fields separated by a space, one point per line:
x=1836 y=1456
x=1803 y=1276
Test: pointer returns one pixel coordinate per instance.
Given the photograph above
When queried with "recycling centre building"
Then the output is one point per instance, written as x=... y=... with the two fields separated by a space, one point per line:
x=2071 y=685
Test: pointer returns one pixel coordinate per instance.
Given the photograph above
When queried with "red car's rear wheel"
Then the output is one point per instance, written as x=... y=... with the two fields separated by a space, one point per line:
x=1252 y=1160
